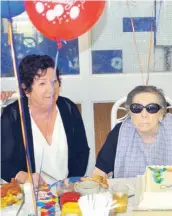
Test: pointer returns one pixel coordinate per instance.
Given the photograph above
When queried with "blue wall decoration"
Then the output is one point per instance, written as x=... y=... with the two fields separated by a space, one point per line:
x=107 y=61
x=68 y=61
x=11 y=9
x=141 y=24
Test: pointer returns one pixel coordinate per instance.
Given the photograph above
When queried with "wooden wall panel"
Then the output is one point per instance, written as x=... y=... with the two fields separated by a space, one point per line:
x=102 y=122
x=79 y=107
x=170 y=110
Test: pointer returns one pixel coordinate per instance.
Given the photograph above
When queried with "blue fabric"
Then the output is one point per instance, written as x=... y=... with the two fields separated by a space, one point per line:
x=106 y=156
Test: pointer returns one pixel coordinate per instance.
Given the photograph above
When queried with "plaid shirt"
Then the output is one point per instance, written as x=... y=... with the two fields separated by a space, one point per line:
x=133 y=155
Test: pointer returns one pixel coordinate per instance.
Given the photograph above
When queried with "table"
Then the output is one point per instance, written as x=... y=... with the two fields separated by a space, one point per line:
x=131 y=183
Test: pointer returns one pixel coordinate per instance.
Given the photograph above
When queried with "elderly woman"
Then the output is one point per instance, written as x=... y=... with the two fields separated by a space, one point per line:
x=144 y=138
x=54 y=127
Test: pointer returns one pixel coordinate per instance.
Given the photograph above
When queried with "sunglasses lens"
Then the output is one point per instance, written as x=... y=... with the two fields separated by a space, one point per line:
x=136 y=108
x=153 y=108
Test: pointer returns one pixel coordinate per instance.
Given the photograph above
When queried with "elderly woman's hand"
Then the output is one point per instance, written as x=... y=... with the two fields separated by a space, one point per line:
x=22 y=177
x=5 y=95
x=99 y=172
x=36 y=178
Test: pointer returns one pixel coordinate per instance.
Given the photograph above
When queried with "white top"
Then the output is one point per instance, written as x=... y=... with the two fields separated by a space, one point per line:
x=55 y=156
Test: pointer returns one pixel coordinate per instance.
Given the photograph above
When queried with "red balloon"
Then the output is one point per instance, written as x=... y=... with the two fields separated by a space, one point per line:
x=64 y=19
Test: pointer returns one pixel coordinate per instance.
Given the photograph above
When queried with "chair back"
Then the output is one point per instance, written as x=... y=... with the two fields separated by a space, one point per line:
x=114 y=112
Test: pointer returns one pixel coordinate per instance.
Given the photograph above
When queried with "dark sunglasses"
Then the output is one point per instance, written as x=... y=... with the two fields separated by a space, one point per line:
x=150 y=108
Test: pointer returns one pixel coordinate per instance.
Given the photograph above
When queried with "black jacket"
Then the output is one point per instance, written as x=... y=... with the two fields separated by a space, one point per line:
x=106 y=156
x=13 y=157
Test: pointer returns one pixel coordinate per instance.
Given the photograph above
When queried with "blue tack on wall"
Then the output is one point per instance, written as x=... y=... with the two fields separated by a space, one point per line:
x=107 y=61
x=141 y=24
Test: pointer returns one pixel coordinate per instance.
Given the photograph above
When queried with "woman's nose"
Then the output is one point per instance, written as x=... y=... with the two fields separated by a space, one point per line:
x=144 y=113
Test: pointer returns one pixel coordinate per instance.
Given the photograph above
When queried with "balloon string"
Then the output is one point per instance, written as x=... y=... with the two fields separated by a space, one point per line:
x=9 y=34
x=23 y=128
x=49 y=112
x=39 y=180
x=56 y=62
x=21 y=110
x=59 y=44
x=135 y=42
x=157 y=18
x=149 y=56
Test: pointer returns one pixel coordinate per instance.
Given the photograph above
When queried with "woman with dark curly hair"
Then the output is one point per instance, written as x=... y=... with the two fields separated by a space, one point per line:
x=54 y=127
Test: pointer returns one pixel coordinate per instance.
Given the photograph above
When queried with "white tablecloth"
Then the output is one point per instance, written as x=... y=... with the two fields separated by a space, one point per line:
x=131 y=183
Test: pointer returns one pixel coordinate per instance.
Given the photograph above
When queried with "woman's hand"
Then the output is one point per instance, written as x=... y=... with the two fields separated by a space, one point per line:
x=5 y=95
x=22 y=177
x=36 y=180
x=99 y=172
